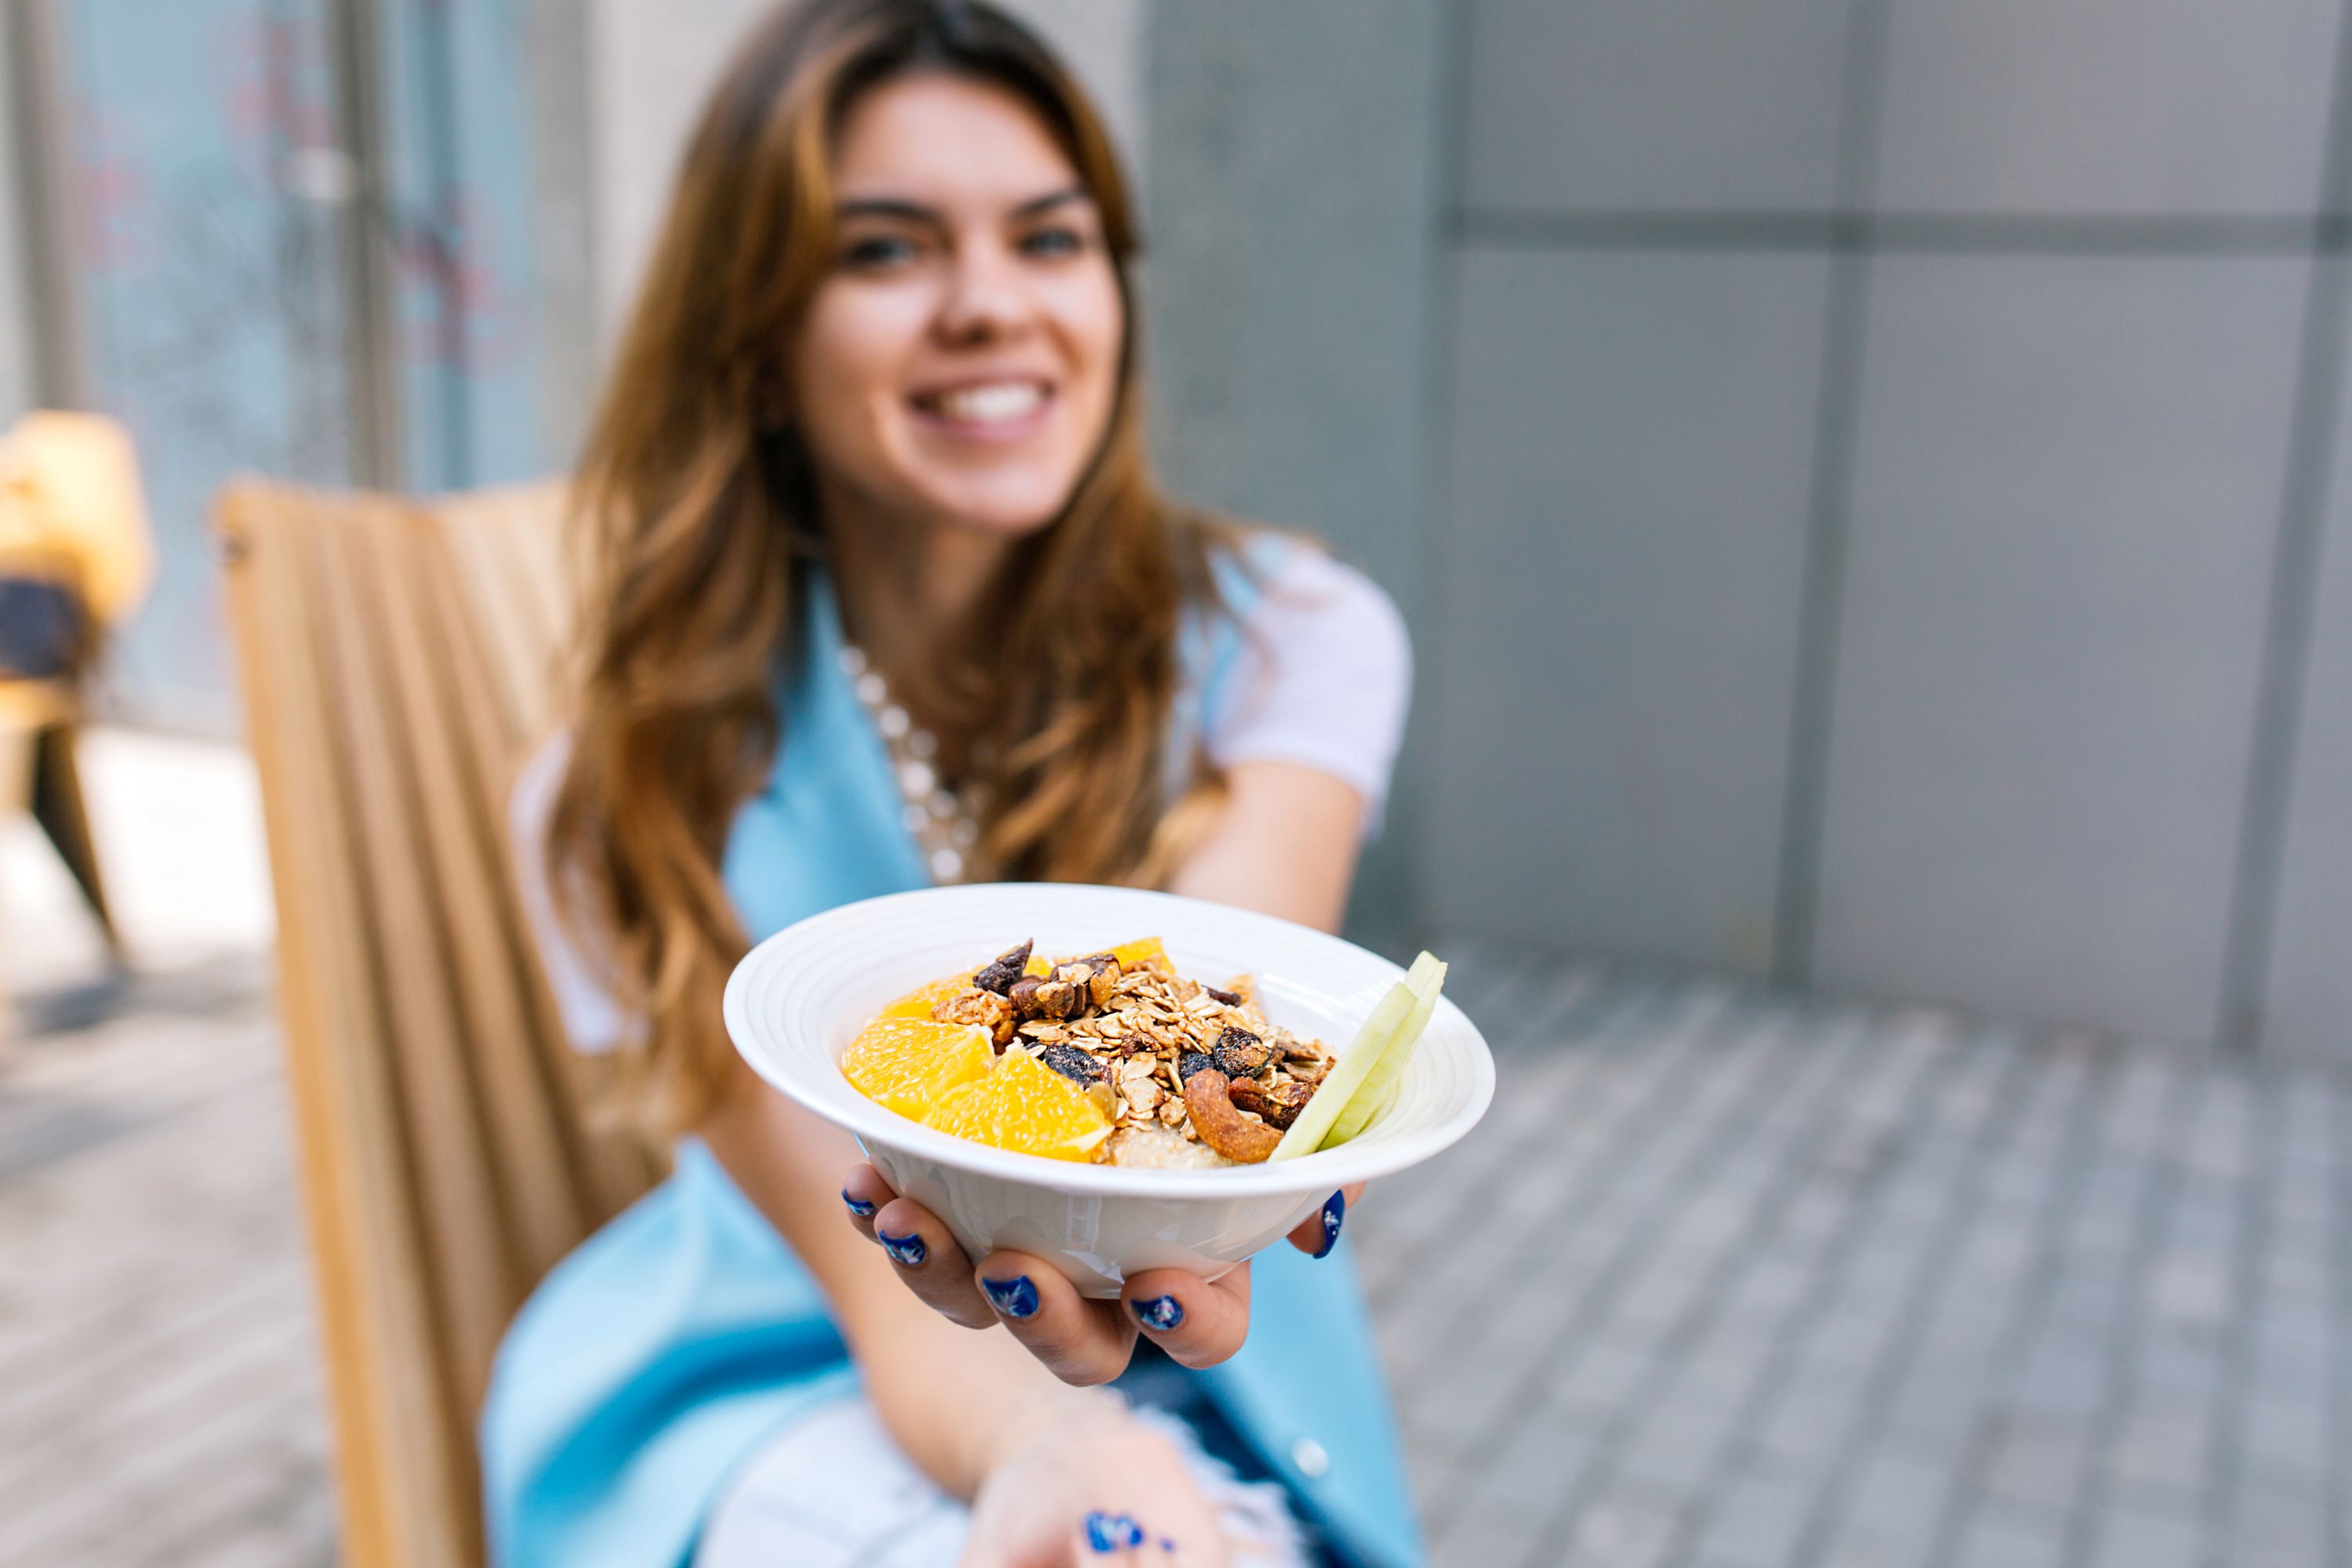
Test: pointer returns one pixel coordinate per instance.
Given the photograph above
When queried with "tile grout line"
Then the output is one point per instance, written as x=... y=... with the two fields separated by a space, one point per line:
x=2314 y=431
x=1829 y=505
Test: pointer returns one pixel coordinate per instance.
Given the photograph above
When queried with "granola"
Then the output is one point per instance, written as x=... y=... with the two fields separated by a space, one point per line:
x=1185 y=1074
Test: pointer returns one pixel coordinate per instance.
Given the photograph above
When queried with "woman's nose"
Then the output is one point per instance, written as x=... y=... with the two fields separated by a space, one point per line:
x=986 y=297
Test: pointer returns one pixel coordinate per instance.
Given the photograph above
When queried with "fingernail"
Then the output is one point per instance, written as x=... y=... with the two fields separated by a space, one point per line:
x=907 y=1251
x=857 y=1206
x=1335 y=1214
x=1161 y=1313
x=1014 y=1298
x=1109 y=1531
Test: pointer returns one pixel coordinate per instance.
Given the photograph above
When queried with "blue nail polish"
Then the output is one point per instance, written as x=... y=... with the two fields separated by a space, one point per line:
x=1166 y=1544
x=1104 y=1532
x=1335 y=1213
x=857 y=1206
x=907 y=1251
x=1134 y=1534
x=1014 y=1298
x=1161 y=1313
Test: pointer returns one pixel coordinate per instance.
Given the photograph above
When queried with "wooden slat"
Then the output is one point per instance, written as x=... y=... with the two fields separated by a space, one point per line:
x=526 y=1155
x=613 y=1168
x=506 y=548
x=467 y=1250
x=394 y=1481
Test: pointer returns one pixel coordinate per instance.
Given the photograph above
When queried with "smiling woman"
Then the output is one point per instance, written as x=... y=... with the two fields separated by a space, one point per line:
x=883 y=595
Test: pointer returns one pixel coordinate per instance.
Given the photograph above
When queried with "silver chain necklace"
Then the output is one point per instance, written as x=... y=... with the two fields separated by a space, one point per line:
x=945 y=823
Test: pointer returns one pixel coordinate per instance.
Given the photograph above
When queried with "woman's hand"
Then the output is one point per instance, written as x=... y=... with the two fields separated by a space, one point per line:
x=1098 y=1489
x=1199 y=1323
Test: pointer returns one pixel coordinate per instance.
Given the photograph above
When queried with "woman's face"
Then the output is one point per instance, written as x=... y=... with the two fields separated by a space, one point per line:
x=959 y=361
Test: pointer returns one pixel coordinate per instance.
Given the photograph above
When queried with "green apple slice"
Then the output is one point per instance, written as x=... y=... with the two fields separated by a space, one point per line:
x=1355 y=1064
x=1380 y=1086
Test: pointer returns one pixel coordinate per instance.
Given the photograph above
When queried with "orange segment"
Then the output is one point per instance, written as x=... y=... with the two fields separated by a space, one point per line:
x=1038 y=965
x=917 y=1003
x=912 y=1064
x=1026 y=1107
x=1144 y=950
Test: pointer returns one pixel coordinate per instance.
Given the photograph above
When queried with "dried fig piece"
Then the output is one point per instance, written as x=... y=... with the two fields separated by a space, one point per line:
x=1024 y=997
x=1230 y=999
x=1278 y=1103
x=1073 y=1064
x=1240 y=1053
x=1001 y=975
x=1208 y=1099
x=1190 y=1062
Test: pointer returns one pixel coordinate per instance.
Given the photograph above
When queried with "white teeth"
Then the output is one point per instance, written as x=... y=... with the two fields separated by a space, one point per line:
x=994 y=403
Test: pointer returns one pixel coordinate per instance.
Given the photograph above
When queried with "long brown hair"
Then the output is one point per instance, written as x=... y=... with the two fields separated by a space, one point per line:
x=698 y=519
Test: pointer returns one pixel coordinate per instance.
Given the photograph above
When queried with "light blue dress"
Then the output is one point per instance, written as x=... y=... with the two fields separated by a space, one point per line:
x=658 y=1355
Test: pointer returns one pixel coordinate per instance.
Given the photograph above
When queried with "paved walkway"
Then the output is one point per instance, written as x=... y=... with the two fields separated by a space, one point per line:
x=1723 y=1281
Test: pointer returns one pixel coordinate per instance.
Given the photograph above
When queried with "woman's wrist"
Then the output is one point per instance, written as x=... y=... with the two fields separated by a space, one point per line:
x=1050 y=1410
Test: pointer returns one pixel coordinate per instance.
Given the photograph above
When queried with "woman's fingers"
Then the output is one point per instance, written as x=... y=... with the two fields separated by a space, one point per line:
x=1114 y=1539
x=1318 y=1233
x=1080 y=1342
x=1198 y=1322
x=863 y=1195
x=930 y=1261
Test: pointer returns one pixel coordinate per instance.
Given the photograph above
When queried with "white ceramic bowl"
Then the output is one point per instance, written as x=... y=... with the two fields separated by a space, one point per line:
x=794 y=1002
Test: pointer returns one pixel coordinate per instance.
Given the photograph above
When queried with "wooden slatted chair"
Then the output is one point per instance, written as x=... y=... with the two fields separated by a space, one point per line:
x=397 y=666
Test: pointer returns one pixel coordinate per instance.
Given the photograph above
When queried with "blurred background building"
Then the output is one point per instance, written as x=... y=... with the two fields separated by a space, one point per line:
x=1866 y=476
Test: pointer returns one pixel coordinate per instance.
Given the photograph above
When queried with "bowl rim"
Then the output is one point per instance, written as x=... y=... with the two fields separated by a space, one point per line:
x=873 y=1123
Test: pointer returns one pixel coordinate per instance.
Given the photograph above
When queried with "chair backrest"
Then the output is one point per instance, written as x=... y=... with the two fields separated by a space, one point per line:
x=398 y=661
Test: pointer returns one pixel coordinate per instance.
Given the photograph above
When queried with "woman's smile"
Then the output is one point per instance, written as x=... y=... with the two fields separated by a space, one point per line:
x=1001 y=410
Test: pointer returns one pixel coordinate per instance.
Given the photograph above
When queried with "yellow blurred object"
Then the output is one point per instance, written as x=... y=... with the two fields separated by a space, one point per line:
x=71 y=510
x=911 y=1064
x=1038 y=965
x=73 y=519
x=1026 y=1107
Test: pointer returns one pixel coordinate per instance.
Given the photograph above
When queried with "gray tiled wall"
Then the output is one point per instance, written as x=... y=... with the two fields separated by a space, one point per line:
x=1624 y=532
x=1634 y=104
x=2033 y=500
x=2066 y=485
x=2070 y=106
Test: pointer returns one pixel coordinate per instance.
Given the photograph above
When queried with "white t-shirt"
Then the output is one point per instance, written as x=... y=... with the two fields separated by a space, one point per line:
x=1322 y=678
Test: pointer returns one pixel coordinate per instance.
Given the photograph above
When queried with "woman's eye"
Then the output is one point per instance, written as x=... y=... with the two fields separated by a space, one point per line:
x=876 y=252
x=1053 y=242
